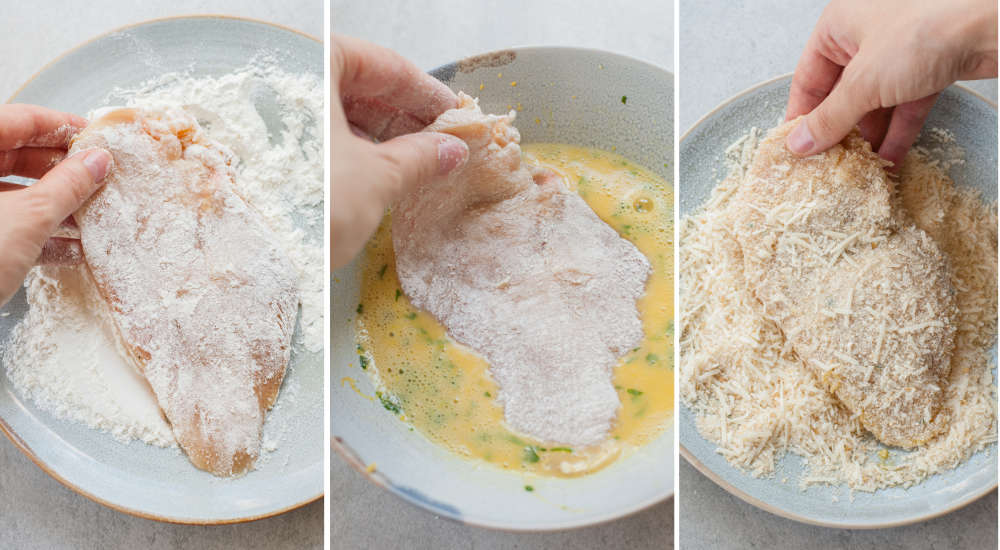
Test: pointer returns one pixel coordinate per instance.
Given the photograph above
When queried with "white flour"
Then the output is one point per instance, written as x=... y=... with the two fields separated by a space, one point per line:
x=63 y=355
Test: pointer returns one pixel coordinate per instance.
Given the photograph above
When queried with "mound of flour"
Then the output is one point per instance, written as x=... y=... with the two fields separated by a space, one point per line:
x=63 y=355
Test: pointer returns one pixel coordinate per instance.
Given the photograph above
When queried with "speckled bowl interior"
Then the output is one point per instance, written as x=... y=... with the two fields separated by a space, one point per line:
x=138 y=478
x=577 y=96
x=973 y=120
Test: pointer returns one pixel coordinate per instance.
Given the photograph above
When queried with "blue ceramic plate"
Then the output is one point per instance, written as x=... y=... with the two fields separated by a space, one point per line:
x=140 y=479
x=578 y=93
x=973 y=120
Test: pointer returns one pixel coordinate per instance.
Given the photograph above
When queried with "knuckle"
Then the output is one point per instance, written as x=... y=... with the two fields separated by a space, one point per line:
x=393 y=176
x=65 y=188
x=823 y=123
x=37 y=205
x=77 y=181
x=811 y=91
x=857 y=94
x=8 y=162
x=976 y=65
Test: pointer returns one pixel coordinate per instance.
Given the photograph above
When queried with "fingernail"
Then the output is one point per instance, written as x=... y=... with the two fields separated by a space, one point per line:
x=358 y=132
x=452 y=154
x=98 y=163
x=893 y=156
x=800 y=141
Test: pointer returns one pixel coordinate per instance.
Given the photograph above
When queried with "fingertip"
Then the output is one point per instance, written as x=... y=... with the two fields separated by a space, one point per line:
x=894 y=154
x=358 y=132
x=410 y=161
x=78 y=121
x=76 y=125
x=800 y=140
x=98 y=163
x=71 y=182
x=453 y=153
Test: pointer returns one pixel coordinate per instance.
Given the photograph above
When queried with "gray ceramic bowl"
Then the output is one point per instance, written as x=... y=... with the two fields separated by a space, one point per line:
x=139 y=479
x=973 y=119
x=578 y=94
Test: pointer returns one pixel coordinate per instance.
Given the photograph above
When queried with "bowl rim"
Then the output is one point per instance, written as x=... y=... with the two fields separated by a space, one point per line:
x=743 y=495
x=347 y=454
x=7 y=430
x=543 y=48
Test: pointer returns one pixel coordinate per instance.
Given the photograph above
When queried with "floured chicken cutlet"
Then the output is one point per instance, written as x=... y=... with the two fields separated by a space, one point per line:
x=202 y=296
x=520 y=269
x=862 y=295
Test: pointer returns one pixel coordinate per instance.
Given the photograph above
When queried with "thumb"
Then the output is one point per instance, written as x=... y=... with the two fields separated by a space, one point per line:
x=410 y=161
x=63 y=189
x=835 y=117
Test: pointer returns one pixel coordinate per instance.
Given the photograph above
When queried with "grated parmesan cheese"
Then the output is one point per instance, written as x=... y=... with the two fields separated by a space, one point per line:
x=750 y=392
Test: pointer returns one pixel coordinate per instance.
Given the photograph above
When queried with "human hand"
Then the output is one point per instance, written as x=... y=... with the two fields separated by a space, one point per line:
x=376 y=94
x=33 y=143
x=880 y=65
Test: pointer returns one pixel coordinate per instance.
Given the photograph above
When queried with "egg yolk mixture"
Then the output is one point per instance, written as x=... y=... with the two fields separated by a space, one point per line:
x=445 y=389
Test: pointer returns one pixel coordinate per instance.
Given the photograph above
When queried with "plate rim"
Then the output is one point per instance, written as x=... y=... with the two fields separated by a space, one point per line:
x=691 y=459
x=16 y=439
x=145 y=22
x=346 y=453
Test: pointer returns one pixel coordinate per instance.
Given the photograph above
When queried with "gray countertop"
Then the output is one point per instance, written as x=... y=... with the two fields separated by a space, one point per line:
x=726 y=47
x=35 y=510
x=361 y=514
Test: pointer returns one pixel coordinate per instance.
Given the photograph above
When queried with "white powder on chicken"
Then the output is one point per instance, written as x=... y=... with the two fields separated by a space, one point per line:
x=748 y=389
x=63 y=355
x=513 y=264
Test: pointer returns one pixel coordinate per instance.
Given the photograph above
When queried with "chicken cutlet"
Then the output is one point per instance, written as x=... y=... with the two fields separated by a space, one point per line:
x=520 y=269
x=202 y=296
x=862 y=295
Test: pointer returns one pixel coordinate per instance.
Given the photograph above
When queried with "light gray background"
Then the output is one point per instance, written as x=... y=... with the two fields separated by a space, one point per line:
x=432 y=33
x=35 y=510
x=725 y=47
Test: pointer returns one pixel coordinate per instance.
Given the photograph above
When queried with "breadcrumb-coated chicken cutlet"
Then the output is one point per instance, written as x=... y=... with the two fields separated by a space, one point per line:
x=863 y=296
